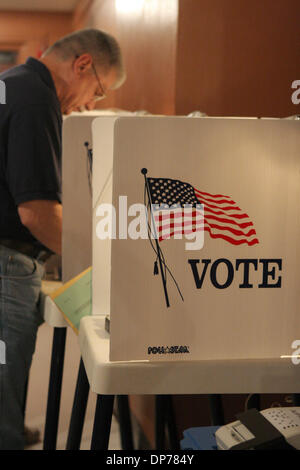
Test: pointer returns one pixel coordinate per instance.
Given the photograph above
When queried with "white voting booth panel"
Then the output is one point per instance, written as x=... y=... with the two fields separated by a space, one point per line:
x=241 y=290
x=77 y=193
x=77 y=210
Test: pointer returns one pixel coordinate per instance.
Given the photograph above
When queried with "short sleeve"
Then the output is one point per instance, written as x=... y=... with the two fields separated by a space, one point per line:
x=33 y=167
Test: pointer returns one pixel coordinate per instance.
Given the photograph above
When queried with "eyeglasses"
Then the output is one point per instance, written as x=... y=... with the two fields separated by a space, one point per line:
x=102 y=94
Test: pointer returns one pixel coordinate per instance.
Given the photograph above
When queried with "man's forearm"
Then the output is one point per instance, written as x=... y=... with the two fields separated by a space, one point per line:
x=44 y=220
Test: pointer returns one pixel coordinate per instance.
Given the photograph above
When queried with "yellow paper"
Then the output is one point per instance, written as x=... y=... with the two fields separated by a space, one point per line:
x=74 y=299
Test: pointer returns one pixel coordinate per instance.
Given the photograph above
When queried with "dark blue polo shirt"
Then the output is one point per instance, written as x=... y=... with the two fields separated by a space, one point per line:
x=30 y=144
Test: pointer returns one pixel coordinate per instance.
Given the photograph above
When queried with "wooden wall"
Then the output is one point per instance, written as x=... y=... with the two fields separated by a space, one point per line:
x=30 y=32
x=223 y=57
x=237 y=57
x=147 y=37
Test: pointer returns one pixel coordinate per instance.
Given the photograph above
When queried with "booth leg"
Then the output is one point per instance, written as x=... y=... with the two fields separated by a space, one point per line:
x=25 y=397
x=54 y=391
x=296 y=399
x=216 y=410
x=160 y=419
x=125 y=422
x=78 y=410
x=102 y=422
x=253 y=402
x=171 y=423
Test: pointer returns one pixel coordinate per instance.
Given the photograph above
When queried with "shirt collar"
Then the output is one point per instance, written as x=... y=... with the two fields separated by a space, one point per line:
x=42 y=71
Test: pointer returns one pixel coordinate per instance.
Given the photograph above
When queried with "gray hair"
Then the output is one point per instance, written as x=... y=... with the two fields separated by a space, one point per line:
x=103 y=47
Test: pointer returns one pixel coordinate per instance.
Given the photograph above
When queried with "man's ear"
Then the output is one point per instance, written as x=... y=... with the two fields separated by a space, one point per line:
x=82 y=64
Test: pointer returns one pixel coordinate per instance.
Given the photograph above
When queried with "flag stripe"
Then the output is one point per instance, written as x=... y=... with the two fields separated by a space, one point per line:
x=221 y=201
x=212 y=195
x=230 y=239
x=200 y=224
x=235 y=216
x=213 y=206
x=228 y=221
x=216 y=236
x=185 y=214
x=181 y=226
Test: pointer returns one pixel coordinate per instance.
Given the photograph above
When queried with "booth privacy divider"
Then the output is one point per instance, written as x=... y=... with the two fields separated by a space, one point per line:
x=212 y=271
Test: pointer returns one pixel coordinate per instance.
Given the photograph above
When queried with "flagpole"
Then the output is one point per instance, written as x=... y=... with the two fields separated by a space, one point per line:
x=144 y=171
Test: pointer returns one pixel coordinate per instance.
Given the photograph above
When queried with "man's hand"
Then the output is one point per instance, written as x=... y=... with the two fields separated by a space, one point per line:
x=44 y=220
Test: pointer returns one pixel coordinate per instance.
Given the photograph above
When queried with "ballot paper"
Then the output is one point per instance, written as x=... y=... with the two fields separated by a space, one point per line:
x=74 y=299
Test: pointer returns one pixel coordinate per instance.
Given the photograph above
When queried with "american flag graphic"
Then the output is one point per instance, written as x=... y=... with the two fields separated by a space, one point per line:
x=221 y=217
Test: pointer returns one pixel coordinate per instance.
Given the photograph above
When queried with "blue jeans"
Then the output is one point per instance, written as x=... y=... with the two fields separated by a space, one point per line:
x=20 y=317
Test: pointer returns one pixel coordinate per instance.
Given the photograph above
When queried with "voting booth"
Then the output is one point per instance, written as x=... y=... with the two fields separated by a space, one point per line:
x=220 y=282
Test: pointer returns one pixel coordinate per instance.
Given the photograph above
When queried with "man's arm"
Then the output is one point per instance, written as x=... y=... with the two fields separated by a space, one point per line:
x=44 y=220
